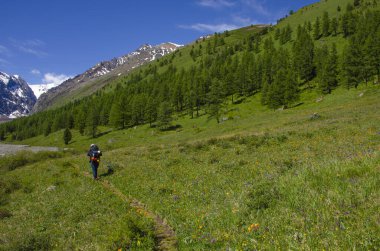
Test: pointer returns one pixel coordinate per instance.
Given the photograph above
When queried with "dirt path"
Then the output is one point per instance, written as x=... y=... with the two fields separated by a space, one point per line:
x=164 y=234
x=6 y=149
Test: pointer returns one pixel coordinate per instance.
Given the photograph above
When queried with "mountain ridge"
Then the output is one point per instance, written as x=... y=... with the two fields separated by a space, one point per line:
x=98 y=76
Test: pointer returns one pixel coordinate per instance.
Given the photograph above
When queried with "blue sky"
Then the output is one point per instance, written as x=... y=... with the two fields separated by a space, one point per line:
x=46 y=41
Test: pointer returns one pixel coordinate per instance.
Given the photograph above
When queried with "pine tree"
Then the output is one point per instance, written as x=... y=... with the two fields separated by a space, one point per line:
x=326 y=64
x=47 y=127
x=326 y=24
x=334 y=26
x=352 y=64
x=67 y=136
x=92 y=121
x=303 y=55
x=116 y=115
x=164 y=115
x=317 y=29
x=291 y=91
x=215 y=100
x=372 y=53
x=275 y=95
x=151 y=109
x=81 y=121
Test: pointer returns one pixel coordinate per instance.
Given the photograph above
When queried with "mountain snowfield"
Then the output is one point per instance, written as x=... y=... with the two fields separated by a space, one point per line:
x=40 y=89
x=16 y=97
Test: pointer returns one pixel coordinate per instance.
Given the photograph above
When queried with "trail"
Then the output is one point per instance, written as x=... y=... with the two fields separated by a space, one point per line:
x=164 y=234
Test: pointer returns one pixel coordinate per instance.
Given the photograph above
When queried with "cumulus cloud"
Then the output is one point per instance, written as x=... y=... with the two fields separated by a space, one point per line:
x=34 y=47
x=35 y=72
x=54 y=79
x=210 y=27
x=216 y=3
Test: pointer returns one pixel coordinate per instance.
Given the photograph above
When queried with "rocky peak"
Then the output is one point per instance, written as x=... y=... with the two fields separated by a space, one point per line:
x=16 y=97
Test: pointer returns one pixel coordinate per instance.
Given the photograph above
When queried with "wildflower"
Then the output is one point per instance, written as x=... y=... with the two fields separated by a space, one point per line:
x=254 y=226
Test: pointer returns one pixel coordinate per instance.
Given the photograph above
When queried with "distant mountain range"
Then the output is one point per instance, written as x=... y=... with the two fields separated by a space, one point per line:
x=16 y=97
x=99 y=75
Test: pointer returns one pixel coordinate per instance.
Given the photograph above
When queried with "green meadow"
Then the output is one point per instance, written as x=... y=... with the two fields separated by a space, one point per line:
x=302 y=178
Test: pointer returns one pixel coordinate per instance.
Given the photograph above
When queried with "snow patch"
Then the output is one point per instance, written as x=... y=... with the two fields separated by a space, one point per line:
x=4 y=78
x=40 y=89
x=16 y=114
x=177 y=45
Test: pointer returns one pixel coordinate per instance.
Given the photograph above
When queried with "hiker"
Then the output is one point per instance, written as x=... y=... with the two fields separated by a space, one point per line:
x=94 y=153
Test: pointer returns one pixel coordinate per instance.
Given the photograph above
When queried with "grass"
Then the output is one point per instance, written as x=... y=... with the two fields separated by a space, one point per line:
x=308 y=184
x=49 y=205
x=261 y=180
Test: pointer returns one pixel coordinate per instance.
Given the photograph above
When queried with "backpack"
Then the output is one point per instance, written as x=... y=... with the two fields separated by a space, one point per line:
x=95 y=154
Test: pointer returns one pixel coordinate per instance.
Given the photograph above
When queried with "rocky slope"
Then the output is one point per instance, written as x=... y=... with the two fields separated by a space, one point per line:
x=16 y=97
x=100 y=74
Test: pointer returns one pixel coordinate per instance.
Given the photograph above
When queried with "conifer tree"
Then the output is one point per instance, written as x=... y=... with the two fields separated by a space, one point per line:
x=317 y=29
x=334 y=26
x=151 y=110
x=81 y=121
x=352 y=63
x=326 y=24
x=92 y=121
x=116 y=115
x=303 y=55
x=67 y=136
x=326 y=64
x=47 y=127
x=215 y=100
x=164 y=115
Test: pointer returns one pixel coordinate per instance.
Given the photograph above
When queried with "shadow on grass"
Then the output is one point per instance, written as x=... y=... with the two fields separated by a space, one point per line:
x=109 y=172
x=171 y=128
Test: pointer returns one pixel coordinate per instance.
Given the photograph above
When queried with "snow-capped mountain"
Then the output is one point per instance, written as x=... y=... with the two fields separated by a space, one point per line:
x=146 y=53
x=16 y=97
x=100 y=74
x=40 y=89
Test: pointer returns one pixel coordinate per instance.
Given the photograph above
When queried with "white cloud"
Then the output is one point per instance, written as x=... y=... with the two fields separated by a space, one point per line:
x=4 y=51
x=243 y=21
x=257 y=6
x=216 y=3
x=210 y=27
x=56 y=79
x=35 y=72
x=33 y=47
